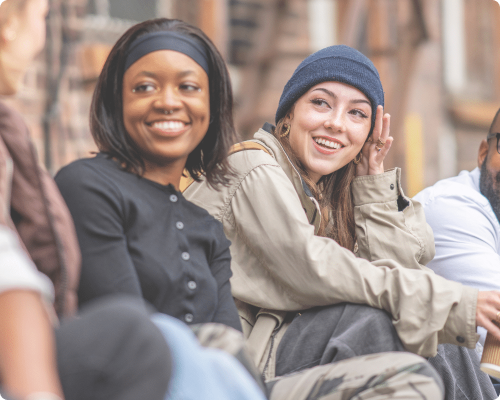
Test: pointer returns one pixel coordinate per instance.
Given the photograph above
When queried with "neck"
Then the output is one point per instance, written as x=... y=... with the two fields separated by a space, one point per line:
x=165 y=174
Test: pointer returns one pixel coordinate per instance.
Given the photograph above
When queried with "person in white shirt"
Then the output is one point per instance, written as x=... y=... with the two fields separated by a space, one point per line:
x=464 y=213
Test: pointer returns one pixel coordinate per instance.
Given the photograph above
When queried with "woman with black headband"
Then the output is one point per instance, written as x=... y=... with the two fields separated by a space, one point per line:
x=162 y=104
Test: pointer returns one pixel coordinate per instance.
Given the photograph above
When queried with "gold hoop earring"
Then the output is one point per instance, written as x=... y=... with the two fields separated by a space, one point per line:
x=358 y=158
x=286 y=132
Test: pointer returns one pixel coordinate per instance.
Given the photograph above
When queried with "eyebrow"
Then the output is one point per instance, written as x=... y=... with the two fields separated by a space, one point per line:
x=330 y=93
x=181 y=74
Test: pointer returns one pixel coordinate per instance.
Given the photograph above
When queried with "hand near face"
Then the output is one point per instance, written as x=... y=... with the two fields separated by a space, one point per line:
x=372 y=161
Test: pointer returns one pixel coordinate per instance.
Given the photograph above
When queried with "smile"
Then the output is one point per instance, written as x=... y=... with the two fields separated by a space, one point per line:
x=170 y=126
x=329 y=144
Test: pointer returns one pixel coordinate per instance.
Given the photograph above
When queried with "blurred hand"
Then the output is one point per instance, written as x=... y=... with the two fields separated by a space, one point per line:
x=372 y=161
x=488 y=306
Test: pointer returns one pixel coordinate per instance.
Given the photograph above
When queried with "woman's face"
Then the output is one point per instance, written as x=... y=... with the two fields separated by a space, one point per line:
x=328 y=126
x=166 y=107
x=22 y=37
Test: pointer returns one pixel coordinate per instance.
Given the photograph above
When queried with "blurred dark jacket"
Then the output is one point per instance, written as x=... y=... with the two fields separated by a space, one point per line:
x=37 y=211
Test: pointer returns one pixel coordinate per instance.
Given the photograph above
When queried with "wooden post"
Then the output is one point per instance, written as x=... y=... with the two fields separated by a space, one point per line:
x=213 y=20
x=496 y=53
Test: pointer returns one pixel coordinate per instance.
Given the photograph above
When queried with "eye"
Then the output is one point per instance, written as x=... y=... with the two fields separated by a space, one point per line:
x=144 y=88
x=190 y=87
x=320 y=102
x=358 y=113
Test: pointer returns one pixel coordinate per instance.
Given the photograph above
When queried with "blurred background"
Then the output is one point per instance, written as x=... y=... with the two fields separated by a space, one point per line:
x=438 y=61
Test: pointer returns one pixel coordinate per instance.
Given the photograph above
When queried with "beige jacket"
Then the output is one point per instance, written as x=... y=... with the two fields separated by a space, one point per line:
x=279 y=263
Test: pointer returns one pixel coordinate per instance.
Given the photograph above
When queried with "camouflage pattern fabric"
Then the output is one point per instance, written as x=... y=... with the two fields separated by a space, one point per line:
x=392 y=375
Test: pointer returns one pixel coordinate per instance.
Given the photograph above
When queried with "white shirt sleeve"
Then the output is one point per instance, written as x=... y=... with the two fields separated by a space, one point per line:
x=17 y=271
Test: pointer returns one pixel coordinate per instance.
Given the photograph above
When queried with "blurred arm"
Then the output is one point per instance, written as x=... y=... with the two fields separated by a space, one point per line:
x=27 y=352
x=27 y=349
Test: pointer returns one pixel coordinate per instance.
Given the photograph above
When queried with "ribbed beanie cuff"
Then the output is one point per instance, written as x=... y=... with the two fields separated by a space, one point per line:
x=335 y=63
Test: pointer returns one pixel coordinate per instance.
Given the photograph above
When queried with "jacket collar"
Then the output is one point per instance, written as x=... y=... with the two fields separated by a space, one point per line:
x=309 y=203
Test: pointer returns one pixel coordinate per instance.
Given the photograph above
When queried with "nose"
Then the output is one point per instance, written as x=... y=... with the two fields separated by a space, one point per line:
x=168 y=99
x=336 y=120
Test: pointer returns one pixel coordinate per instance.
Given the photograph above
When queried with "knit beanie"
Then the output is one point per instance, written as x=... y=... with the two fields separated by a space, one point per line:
x=335 y=63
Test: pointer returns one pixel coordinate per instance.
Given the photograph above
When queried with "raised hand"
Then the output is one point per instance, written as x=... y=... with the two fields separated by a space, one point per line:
x=376 y=147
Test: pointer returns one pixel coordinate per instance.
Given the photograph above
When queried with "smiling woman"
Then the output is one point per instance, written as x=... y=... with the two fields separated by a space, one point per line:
x=162 y=104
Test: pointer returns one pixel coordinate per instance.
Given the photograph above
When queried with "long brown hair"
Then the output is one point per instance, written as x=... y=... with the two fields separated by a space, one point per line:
x=332 y=192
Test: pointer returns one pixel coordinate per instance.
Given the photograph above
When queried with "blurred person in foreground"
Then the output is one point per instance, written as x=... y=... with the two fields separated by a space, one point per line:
x=86 y=357
x=464 y=213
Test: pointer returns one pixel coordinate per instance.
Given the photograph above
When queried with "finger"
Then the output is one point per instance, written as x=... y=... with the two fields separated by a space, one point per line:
x=377 y=128
x=386 y=127
x=491 y=327
x=385 y=149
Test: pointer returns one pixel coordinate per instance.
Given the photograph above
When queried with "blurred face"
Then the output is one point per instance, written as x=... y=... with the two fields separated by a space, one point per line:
x=22 y=37
x=328 y=126
x=489 y=162
x=166 y=107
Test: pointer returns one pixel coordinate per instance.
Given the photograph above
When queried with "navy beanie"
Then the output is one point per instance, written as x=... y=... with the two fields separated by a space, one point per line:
x=335 y=63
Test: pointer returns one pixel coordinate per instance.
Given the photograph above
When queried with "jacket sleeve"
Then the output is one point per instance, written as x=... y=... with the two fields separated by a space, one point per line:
x=298 y=270
x=98 y=212
x=389 y=225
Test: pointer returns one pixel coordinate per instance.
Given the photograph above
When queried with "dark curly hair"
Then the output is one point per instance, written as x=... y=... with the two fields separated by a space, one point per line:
x=209 y=158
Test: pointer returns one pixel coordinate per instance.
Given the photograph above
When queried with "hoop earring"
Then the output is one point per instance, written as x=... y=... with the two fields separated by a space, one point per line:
x=358 y=158
x=286 y=132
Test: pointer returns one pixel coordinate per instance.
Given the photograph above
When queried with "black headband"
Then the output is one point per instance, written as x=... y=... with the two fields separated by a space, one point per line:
x=167 y=40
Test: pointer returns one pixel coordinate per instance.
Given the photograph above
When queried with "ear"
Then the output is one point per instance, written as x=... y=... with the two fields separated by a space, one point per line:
x=483 y=152
x=289 y=115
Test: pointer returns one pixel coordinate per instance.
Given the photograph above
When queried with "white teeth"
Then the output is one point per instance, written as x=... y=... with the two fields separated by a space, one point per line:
x=169 y=125
x=327 y=143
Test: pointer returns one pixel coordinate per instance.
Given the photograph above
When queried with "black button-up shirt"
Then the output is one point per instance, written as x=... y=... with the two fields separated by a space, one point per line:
x=145 y=239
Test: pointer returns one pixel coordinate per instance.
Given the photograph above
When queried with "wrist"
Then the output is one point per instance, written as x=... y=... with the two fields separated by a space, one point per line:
x=377 y=171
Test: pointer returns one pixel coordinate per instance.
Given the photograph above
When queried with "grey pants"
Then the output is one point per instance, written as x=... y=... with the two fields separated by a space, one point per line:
x=330 y=334
x=459 y=369
x=324 y=335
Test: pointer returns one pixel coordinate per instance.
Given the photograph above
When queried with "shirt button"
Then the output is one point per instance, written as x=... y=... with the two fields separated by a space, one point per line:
x=188 y=318
x=460 y=339
x=179 y=225
x=392 y=186
x=185 y=256
x=173 y=198
x=192 y=285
